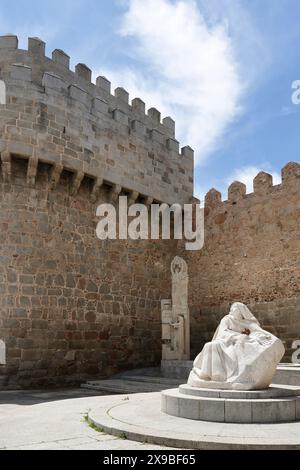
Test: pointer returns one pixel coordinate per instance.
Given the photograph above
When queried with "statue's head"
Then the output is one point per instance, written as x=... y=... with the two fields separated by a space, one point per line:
x=241 y=312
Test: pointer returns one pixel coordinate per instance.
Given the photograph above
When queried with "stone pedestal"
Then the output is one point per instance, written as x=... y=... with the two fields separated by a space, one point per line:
x=272 y=405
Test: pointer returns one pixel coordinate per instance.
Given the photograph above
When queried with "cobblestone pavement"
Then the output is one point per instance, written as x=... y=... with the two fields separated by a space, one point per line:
x=54 y=420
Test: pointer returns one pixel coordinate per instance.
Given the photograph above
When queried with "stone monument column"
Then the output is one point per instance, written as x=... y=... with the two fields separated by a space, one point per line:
x=2 y=353
x=175 y=315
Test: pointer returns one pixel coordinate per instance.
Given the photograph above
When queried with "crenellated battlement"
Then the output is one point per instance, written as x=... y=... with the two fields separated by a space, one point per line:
x=59 y=116
x=55 y=73
x=262 y=188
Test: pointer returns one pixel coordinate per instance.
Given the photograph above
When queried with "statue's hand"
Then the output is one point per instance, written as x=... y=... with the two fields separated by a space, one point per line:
x=246 y=331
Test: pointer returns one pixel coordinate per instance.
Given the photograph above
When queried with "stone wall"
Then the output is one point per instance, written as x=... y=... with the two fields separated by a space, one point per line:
x=72 y=306
x=60 y=117
x=251 y=254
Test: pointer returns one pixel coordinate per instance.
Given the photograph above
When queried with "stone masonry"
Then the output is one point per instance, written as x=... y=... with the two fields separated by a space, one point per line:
x=251 y=254
x=72 y=306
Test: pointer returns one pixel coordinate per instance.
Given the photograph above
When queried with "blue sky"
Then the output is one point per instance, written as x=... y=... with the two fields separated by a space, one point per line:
x=222 y=68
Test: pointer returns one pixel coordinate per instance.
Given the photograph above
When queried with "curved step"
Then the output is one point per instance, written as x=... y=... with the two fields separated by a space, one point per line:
x=274 y=391
x=139 y=418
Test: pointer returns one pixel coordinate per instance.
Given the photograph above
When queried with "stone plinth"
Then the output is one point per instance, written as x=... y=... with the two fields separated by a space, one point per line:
x=273 y=405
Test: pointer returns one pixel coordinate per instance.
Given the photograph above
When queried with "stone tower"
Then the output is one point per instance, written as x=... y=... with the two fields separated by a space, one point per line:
x=72 y=306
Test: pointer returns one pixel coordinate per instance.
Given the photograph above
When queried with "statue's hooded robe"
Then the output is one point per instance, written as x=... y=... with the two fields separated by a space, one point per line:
x=236 y=360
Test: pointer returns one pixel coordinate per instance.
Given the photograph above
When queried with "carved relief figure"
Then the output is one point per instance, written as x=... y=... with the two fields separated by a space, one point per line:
x=2 y=353
x=2 y=92
x=175 y=315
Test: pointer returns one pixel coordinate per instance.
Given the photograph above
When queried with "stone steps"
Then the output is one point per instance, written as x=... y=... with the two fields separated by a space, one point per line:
x=154 y=380
x=131 y=384
x=287 y=374
x=173 y=374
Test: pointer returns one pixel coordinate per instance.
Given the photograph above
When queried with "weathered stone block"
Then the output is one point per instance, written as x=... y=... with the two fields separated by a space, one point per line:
x=138 y=106
x=122 y=95
x=51 y=80
x=238 y=411
x=9 y=41
x=154 y=114
x=189 y=409
x=61 y=58
x=104 y=84
x=20 y=72
x=120 y=117
x=78 y=94
x=236 y=191
x=100 y=105
x=36 y=47
x=83 y=72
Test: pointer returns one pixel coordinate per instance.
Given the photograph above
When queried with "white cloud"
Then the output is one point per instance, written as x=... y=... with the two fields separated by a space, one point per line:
x=184 y=66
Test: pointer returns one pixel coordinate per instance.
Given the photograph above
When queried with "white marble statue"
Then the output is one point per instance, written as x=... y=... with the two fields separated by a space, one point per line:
x=241 y=355
x=175 y=315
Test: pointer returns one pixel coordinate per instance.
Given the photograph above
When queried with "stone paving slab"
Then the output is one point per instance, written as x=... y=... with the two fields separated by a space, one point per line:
x=54 y=420
x=140 y=417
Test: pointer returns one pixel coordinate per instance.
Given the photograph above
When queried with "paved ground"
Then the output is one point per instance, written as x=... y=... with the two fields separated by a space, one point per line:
x=41 y=420
x=139 y=416
x=55 y=420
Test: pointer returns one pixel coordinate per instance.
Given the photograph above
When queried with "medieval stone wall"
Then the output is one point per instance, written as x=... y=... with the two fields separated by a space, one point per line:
x=73 y=306
x=251 y=254
x=60 y=117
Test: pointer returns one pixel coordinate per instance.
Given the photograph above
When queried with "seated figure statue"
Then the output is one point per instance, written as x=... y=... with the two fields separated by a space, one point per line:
x=241 y=355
